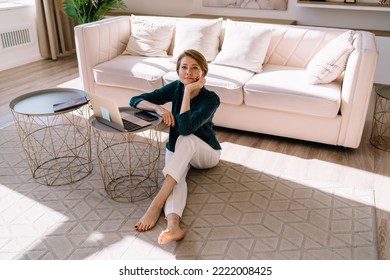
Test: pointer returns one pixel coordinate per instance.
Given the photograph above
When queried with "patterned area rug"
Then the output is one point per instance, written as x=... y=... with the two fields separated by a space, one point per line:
x=234 y=211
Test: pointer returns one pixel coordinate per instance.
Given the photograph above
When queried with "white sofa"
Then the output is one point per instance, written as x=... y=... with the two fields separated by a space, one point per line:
x=278 y=98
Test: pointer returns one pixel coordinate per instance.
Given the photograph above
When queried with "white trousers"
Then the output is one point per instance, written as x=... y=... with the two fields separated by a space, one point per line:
x=189 y=151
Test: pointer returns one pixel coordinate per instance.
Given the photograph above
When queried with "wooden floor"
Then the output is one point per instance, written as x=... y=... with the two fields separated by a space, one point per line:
x=365 y=163
x=34 y=76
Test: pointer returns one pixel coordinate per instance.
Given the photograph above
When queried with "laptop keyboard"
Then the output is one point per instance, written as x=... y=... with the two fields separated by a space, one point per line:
x=130 y=126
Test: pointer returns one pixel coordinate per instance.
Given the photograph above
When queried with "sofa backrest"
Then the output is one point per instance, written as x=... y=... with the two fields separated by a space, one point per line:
x=291 y=45
x=296 y=45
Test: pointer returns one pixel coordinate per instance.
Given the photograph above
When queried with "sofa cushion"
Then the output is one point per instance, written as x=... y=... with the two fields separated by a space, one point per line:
x=285 y=88
x=136 y=72
x=244 y=45
x=331 y=60
x=226 y=81
x=149 y=37
x=199 y=34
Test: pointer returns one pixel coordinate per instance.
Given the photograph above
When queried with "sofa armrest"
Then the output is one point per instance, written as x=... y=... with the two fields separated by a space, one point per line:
x=357 y=88
x=98 y=42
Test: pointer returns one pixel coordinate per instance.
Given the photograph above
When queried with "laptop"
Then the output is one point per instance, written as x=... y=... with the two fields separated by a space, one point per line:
x=108 y=113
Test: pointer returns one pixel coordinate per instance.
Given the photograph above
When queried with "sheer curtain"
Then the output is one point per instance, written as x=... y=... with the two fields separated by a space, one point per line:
x=55 y=29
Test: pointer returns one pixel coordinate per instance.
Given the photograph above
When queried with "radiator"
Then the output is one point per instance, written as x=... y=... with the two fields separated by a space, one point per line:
x=18 y=35
x=14 y=38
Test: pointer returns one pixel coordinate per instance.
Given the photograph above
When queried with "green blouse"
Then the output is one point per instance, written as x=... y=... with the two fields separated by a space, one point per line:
x=197 y=121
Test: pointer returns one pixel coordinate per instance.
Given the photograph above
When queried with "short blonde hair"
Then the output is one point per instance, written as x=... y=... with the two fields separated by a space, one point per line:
x=197 y=56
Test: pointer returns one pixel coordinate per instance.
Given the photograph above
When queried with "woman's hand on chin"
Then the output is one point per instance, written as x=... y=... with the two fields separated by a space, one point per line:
x=194 y=88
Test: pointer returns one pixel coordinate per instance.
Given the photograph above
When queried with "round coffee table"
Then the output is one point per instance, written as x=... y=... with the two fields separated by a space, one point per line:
x=57 y=145
x=380 y=134
x=129 y=161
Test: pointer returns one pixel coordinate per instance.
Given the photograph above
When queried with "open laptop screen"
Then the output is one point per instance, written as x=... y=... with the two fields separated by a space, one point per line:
x=107 y=112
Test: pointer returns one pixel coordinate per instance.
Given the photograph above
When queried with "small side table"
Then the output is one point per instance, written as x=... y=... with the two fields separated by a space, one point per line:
x=380 y=134
x=57 y=145
x=129 y=161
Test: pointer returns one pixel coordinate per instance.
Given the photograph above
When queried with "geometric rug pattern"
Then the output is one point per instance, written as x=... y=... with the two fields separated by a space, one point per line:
x=233 y=212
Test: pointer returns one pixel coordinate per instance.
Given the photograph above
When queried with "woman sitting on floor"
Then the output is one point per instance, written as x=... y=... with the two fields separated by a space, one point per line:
x=192 y=139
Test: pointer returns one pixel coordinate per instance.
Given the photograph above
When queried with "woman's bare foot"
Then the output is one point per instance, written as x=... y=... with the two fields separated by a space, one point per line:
x=173 y=231
x=149 y=219
x=170 y=235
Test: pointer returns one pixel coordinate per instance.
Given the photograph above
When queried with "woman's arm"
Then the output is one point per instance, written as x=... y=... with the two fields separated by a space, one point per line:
x=146 y=105
x=166 y=115
x=201 y=113
x=152 y=102
x=190 y=92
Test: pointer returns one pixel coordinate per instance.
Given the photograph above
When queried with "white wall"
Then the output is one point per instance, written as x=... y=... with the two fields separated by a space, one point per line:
x=356 y=19
x=382 y=75
x=378 y=20
x=15 y=18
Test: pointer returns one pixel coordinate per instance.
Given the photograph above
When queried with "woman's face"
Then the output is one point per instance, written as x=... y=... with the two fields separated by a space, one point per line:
x=189 y=70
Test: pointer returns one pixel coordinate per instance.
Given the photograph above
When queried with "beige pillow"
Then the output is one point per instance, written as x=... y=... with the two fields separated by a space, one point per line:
x=331 y=60
x=244 y=46
x=149 y=37
x=199 y=34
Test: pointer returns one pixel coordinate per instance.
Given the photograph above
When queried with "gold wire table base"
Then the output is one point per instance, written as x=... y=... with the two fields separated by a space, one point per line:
x=57 y=146
x=380 y=134
x=129 y=162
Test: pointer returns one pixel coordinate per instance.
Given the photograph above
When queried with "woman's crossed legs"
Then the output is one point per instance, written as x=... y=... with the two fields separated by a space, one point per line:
x=189 y=151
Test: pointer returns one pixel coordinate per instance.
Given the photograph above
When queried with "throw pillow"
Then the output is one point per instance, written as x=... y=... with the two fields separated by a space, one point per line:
x=199 y=34
x=244 y=46
x=149 y=37
x=331 y=60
